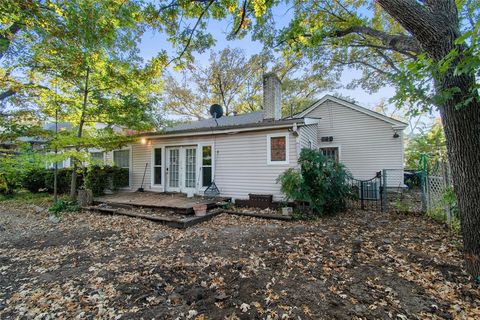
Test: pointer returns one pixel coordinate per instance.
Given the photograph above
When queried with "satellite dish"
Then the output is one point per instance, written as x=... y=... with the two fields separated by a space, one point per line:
x=216 y=111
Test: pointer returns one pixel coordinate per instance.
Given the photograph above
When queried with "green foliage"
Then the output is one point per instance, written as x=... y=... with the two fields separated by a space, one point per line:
x=63 y=206
x=321 y=182
x=438 y=213
x=63 y=180
x=23 y=196
x=291 y=184
x=34 y=180
x=100 y=178
x=15 y=165
x=431 y=143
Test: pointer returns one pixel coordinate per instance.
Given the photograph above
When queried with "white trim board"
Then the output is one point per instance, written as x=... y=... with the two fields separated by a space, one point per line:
x=396 y=124
x=287 y=148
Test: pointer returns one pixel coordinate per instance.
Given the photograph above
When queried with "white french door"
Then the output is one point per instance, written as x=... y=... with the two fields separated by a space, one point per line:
x=189 y=156
x=181 y=169
x=173 y=169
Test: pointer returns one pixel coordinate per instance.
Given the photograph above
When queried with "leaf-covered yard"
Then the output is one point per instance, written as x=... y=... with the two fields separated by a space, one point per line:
x=354 y=265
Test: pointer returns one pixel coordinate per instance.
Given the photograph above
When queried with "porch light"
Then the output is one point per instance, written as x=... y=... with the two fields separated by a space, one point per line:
x=143 y=141
x=396 y=135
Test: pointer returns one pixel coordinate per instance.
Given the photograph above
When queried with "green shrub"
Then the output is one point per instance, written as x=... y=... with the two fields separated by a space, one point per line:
x=34 y=180
x=62 y=205
x=321 y=182
x=64 y=178
x=99 y=178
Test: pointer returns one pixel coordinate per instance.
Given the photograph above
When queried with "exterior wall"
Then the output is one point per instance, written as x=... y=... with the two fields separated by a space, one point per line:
x=240 y=162
x=308 y=136
x=366 y=144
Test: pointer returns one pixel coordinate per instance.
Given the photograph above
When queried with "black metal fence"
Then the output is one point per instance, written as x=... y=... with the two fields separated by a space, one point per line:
x=367 y=194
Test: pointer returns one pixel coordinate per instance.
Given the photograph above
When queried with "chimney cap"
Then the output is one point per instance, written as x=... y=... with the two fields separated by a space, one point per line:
x=272 y=75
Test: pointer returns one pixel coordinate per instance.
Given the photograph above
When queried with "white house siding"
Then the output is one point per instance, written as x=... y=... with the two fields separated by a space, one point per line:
x=241 y=162
x=308 y=136
x=365 y=143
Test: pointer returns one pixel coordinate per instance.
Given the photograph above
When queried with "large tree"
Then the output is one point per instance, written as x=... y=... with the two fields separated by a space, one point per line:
x=428 y=49
x=85 y=65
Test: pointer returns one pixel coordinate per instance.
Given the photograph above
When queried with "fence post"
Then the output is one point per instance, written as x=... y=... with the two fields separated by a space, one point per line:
x=384 y=191
x=448 y=212
x=361 y=196
x=423 y=181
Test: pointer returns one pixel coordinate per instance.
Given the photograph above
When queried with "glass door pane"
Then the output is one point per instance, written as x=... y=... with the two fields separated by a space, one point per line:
x=190 y=167
x=157 y=166
x=173 y=168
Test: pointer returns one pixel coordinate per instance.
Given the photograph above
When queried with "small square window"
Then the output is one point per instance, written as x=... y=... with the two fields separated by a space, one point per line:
x=277 y=149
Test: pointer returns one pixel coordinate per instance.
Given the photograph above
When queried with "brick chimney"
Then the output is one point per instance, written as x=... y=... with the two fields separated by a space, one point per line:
x=272 y=96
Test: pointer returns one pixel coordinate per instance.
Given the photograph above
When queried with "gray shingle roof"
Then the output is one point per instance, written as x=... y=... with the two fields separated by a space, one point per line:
x=242 y=119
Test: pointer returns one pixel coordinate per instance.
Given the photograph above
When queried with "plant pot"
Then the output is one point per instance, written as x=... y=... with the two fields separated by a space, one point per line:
x=200 y=209
x=286 y=211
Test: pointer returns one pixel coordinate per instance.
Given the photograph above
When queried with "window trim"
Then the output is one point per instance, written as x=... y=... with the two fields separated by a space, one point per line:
x=338 y=146
x=269 y=151
x=153 y=166
x=130 y=165
x=104 y=154
x=200 y=168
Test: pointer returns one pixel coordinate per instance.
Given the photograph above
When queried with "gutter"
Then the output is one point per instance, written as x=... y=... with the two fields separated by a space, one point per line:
x=219 y=132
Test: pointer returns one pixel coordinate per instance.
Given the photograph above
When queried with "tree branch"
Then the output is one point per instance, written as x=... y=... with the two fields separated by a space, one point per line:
x=4 y=95
x=6 y=38
x=429 y=23
x=192 y=32
x=244 y=11
x=397 y=42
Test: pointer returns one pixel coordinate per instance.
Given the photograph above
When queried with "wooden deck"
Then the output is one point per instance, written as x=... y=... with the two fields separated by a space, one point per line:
x=177 y=202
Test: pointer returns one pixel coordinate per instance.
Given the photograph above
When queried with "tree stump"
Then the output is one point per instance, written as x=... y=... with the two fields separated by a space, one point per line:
x=85 y=198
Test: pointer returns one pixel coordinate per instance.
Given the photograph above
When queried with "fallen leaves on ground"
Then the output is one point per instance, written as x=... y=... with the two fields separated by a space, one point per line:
x=355 y=265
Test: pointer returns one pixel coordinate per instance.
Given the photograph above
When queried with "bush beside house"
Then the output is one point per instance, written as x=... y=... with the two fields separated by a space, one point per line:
x=320 y=182
x=96 y=178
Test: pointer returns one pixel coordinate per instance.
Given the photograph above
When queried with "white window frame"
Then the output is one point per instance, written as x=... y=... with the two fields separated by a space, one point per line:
x=99 y=151
x=153 y=166
x=269 y=151
x=200 y=162
x=130 y=165
x=339 y=147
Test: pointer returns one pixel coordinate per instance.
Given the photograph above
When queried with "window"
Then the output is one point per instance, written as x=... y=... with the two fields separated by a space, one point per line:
x=97 y=156
x=121 y=158
x=277 y=149
x=157 y=166
x=59 y=165
x=331 y=152
x=206 y=166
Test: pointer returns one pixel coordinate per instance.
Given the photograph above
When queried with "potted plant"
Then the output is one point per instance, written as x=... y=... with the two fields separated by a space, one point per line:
x=200 y=209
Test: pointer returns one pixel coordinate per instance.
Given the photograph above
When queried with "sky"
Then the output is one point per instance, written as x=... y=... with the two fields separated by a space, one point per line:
x=152 y=42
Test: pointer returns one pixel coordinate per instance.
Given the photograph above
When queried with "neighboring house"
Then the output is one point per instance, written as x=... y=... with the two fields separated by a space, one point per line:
x=246 y=153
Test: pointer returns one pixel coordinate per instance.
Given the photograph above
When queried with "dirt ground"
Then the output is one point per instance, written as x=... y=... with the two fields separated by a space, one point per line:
x=354 y=265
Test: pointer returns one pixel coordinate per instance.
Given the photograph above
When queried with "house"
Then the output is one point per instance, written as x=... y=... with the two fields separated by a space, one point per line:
x=246 y=153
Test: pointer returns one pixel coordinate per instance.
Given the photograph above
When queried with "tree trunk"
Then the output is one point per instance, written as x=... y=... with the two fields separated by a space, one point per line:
x=462 y=132
x=435 y=25
x=73 y=183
